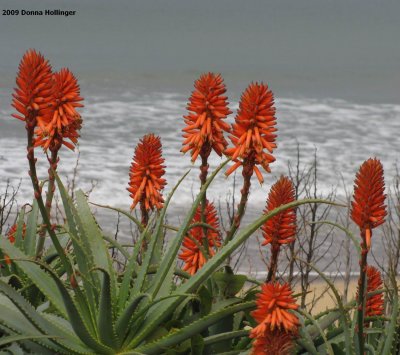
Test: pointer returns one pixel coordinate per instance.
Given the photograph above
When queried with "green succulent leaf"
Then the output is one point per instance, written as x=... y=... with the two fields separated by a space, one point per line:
x=31 y=230
x=105 y=323
x=192 y=329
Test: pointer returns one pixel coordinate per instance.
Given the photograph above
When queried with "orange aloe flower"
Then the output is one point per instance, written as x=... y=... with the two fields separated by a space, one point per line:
x=61 y=121
x=273 y=305
x=11 y=237
x=368 y=210
x=281 y=228
x=274 y=343
x=191 y=254
x=253 y=133
x=374 y=304
x=205 y=122
x=34 y=88
x=146 y=173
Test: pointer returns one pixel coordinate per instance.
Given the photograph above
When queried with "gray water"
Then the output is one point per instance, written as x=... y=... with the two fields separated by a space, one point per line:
x=334 y=67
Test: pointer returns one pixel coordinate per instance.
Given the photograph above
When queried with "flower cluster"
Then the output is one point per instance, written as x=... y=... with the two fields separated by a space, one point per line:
x=253 y=133
x=368 y=210
x=193 y=243
x=33 y=95
x=47 y=102
x=281 y=228
x=274 y=303
x=146 y=173
x=205 y=125
x=62 y=121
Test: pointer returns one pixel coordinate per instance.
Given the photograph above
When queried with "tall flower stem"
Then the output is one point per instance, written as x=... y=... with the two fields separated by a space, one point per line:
x=273 y=264
x=204 y=154
x=361 y=294
x=53 y=161
x=144 y=213
x=30 y=126
x=247 y=173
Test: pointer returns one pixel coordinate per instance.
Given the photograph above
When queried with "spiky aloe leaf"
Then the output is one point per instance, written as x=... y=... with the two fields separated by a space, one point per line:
x=31 y=230
x=84 y=257
x=125 y=288
x=78 y=323
x=94 y=239
x=114 y=244
x=16 y=338
x=192 y=329
x=214 y=339
x=17 y=323
x=20 y=227
x=105 y=321
x=137 y=318
x=40 y=278
x=123 y=212
x=126 y=316
x=63 y=336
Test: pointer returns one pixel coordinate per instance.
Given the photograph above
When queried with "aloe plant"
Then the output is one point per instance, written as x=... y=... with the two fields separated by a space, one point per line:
x=142 y=310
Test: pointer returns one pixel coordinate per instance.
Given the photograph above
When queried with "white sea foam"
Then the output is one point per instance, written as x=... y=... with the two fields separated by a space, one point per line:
x=343 y=133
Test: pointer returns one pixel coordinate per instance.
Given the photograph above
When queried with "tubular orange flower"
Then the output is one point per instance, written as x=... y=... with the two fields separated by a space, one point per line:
x=274 y=343
x=61 y=121
x=374 y=304
x=281 y=228
x=191 y=253
x=273 y=303
x=368 y=208
x=253 y=133
x=146 y=173
x=204 y=124
x=33 y=94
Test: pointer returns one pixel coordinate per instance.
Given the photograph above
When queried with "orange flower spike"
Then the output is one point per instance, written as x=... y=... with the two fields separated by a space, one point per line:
x=253 y=133
x=61 y=122
x=34 y=88
x=273 y=305
x=274 y=343
x=374 y=305
x=281 y=228
x=191 y=253
x=368 y=209
x=146 y=173
x=205 y=122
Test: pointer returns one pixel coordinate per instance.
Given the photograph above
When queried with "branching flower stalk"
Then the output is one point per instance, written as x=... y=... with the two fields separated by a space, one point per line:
x=32 y=99
x=205 y=127
x=253 y=138
x=368 y=211
x=59 y=126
